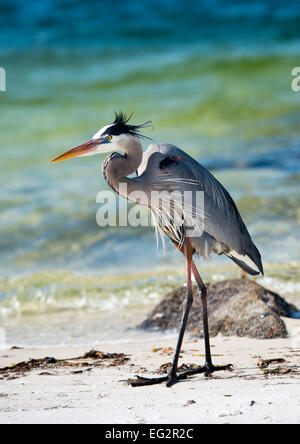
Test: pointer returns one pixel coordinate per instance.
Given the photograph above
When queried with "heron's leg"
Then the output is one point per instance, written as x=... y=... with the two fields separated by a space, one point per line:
x=172 y=377
x=203 y=290
x=187 y=308
x=209 y=367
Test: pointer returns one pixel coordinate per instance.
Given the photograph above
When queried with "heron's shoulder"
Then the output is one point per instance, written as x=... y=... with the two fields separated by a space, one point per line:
x=167 y=149
x=160 y=154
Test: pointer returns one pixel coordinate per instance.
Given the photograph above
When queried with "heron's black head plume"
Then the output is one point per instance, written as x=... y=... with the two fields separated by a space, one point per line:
x=121 y=126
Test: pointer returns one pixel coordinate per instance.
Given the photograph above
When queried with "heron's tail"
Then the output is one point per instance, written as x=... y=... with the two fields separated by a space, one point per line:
x=250 y=262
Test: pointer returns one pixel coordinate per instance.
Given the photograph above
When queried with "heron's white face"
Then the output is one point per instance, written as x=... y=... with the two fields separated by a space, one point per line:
x=118 y=136
x=101 y=132
x=110 y=142
x=102 y=142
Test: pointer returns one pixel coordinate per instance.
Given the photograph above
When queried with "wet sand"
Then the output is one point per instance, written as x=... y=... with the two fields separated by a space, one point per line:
x=94 y=390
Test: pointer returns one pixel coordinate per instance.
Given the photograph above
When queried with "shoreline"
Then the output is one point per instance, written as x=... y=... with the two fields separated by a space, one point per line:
x=99 y=394
x=42 y=308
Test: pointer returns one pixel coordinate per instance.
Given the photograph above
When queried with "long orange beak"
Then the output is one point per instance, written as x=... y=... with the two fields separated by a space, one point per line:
x=81 y=150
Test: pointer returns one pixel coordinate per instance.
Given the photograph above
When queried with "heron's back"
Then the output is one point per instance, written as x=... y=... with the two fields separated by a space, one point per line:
x=169 y=169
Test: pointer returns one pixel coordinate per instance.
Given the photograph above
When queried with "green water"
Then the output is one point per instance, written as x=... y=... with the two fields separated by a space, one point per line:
x=214 y=81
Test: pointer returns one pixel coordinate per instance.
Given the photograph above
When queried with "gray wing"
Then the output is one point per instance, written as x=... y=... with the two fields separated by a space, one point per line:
x=169 y=168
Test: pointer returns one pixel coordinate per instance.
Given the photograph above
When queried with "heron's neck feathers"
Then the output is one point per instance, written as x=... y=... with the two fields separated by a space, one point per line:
x=117 y=167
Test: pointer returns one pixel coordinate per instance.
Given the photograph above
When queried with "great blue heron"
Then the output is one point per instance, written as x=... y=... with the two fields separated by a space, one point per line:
x=164 y=167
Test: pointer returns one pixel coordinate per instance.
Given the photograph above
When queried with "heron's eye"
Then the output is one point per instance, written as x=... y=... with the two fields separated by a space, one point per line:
x=108 y=138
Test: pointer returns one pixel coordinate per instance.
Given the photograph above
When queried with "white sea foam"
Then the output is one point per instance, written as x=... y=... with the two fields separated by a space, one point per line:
x=281 y=287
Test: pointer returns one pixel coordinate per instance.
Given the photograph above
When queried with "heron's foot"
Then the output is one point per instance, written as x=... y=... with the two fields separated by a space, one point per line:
x=218 y=368
x=170 y=380
x=208 y=370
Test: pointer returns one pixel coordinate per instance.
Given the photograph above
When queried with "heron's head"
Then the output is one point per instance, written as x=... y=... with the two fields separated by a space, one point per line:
x=113 y=137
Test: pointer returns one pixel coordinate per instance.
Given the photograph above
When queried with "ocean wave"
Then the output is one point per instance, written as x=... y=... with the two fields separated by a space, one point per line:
x=61 y=291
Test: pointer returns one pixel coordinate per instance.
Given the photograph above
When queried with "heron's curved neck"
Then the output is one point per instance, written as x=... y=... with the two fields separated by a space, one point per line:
x=117 y=167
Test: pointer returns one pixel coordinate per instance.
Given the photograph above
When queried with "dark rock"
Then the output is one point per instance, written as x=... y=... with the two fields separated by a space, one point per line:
x=238 y=307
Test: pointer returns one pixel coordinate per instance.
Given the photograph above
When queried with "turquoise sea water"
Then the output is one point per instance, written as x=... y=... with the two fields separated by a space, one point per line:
x=215 y=79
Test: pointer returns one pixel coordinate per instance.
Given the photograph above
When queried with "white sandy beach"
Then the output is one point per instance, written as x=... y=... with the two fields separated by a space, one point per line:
x=245 y=395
